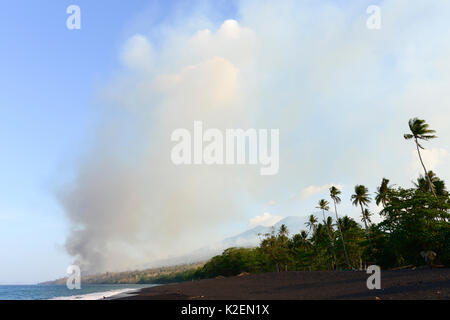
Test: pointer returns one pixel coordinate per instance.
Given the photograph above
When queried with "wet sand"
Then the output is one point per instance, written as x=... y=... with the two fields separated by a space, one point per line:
x=316 y=285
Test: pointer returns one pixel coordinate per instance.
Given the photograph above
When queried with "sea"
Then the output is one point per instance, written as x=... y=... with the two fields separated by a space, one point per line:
x=61 y=292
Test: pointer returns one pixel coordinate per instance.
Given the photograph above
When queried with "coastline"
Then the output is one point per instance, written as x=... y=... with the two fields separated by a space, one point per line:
x=418 y=284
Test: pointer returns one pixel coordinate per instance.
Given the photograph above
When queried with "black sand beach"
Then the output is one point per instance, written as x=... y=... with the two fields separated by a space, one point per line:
x=401 y=284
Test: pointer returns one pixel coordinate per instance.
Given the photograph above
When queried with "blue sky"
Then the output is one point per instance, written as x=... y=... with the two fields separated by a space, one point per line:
x=48 y=79
x=349 y=89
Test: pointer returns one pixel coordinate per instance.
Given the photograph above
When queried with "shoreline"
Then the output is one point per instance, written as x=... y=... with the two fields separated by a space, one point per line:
x=111 y=294
x=100 y=295
x=421 y=284
x=129 y=294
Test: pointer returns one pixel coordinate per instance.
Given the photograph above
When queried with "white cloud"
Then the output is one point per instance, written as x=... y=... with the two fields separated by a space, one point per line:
x=308 y=192
x=231 y=29
x=265 y=220
x=137 y=53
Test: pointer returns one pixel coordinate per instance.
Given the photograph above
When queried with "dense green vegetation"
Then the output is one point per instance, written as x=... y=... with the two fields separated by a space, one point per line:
x=414 y=221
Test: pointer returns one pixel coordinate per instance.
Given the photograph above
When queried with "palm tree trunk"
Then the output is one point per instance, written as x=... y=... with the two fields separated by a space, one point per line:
x=426 y=172
x=342 y=236
x=367 y=230
x=331 y=240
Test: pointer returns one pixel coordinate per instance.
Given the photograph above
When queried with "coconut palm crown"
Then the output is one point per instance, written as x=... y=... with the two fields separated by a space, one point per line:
x=420 y=130
x=382 y=192
x=361 y=196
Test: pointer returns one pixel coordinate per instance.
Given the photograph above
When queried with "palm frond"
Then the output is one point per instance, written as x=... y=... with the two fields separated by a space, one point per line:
x=428 y=137
x=408 y=136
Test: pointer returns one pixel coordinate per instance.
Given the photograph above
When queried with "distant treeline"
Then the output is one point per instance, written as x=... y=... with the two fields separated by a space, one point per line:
x=154 y=275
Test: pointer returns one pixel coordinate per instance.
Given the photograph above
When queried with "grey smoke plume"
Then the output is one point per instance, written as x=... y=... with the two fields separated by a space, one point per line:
x=130 y=205
x=311 y=69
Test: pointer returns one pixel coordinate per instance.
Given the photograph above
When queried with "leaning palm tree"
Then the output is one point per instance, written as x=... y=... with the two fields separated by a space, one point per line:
x=361 y=198
x=334 y=194
x=420 y=131
x=324 y=206
x=382 y=192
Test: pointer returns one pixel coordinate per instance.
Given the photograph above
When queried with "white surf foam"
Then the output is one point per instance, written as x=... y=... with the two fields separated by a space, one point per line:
x=96 y=295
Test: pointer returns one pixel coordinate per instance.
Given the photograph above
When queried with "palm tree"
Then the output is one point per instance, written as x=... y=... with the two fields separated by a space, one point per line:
x=366 y=217
x=382 y=192
x=438 y=184
x=420 y=131
x=334 y=194
x=347 y=223
x=312 y=223
x=304 y=235
x=283 y=231
x=301 y=239
x=324 y=206
x=329 y=225
x=361 y=197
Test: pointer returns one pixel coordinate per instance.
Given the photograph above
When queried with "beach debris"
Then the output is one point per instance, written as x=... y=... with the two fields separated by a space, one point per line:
x=243 y=274
x=428 y=256
x=197 y=297
x=409 y=266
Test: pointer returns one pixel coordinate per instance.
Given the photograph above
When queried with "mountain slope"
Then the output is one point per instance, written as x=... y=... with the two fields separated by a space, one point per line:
x=251 y=238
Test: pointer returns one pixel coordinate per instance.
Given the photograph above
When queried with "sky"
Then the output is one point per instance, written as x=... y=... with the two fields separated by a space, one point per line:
x=86 y=117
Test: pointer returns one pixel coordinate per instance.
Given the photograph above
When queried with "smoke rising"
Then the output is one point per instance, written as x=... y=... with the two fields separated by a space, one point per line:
x=312 y=70
x=129 y=204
